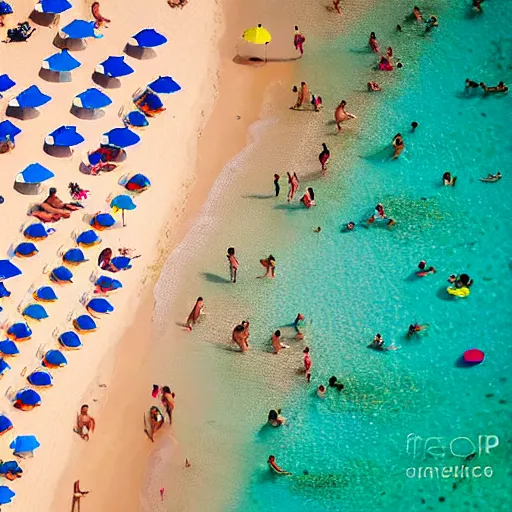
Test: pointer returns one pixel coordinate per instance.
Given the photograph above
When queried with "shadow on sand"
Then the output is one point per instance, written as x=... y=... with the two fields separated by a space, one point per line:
x=214 y=278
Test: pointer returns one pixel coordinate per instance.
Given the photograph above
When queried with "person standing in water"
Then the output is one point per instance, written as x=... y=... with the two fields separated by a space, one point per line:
x=233 y=264
x=168 y=401
x=340 y=115
x=277 y=344
x=398 y=145
x=298 y=41
x=303 y=96
x=293 y=183
x=307 y=364
x=372 y=43
x=324 y=157
x=276 y=184
x=270 y=264
x=195 y=313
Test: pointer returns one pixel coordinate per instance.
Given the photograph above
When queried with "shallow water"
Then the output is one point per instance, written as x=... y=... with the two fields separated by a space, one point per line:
x=363 y=448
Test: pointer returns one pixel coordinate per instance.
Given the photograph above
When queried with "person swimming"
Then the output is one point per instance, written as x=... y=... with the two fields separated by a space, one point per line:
x=470 y=84
x=501 y=87
x=414 y=125
x=373 y=86
x=275 y=419
x=333 y=383
x=448 y=179
x=320 y=391
x=378 y=341
x=424 y=270
x=414 y=329
x=349 y=226
x=398 y=145
x=431 y=23
x=417 y=13
x=274 y=467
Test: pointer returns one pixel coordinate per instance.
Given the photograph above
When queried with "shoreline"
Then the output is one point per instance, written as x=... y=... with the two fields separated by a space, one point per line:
x=117 y=367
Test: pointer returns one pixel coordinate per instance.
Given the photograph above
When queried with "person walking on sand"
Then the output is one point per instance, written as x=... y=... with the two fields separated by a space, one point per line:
x=85 y=424
x=293 y=182
x=195 y=313
x=276 y=184
x=233 y=264
x=302 y=96
x=168 y=401
x=336 y=6
x=270 y=264
x=324 y=157
x=277 y=344
x=340 y=115
x=298 y=41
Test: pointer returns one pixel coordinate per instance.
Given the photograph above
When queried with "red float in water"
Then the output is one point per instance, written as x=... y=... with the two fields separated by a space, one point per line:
x=473 y=356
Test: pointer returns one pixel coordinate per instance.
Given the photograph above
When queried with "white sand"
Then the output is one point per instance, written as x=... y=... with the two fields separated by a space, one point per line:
x=166 y=155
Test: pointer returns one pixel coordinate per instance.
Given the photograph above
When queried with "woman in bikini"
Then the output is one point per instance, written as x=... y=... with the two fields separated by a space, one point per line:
x=293 y=183
x=100 y=20
x=324 y=157
x=195 y=313
x=398 y=145
x=340 y=115
x=270 y=264
x=372 y=42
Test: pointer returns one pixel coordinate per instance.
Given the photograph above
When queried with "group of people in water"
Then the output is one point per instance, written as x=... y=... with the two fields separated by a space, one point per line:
x=471 y=85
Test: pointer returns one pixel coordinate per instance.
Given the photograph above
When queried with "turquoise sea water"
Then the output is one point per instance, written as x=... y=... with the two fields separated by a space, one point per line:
x=367 y=447
x=354 y=445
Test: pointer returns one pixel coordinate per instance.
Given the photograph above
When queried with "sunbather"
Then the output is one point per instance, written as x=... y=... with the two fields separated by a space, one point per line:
x=6 y=145
x=100 y=20
x=84 y=423
x=56 y=204
x=177 y=3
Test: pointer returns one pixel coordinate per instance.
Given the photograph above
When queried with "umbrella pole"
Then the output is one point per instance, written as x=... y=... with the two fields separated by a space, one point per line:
x=265 y=59
x=123 y=218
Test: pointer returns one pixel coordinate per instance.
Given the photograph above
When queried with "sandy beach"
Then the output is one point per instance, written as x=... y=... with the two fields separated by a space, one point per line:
x=168 y=155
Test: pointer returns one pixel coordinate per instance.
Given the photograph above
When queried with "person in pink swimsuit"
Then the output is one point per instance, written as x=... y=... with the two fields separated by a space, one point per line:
x=233 y=264
x=307 y=364
x=372 y=42
x=293 y=182
x=298 y=41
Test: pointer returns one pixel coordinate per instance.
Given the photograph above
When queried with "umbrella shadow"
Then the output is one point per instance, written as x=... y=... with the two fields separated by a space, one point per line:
x=136 y=52
x=259 y=196
x=107 y=82
x=89 y=114
x=251 y=61
x=460 y=363
x=84 y=168
x=54 y=77
x=22 y=114
x=74 y=45
x=43 y=19
x=57 y=151
x=214 y=278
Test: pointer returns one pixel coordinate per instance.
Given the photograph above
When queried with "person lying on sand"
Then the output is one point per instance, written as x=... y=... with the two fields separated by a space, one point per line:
x=177 y=3
x=60 y=206
x=84 y=423
x=6 y=145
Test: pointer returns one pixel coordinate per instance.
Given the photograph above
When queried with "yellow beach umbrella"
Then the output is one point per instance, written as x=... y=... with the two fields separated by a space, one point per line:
x=257 y=35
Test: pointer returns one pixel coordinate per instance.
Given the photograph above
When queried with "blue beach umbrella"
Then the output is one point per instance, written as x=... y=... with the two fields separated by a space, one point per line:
x=61 y=275
x=24 y=446
x=8 y=270
x=74 y=257
x=35 y=232
x=147 y=38
x=88 y=238
x=114 y=67
x=99 y=306
x=9 y=348
x=7 y=129
x=53 y=6
x=120 y=138
x=3 y=367
x=91 y=99
x=34 y=173
x=61 y=62
x=54 y=359
x=137 y=183
x=6 y=495
x=164 y=85
x=4 y=292
x=70 y=340
x=5 y=8
x=19 y=331
x=136 y=119
x=29 y=397
x=107 y=284
x=65 y=136
x=10 y=466
x=121 y=262
x=35 y=312
x=84 y=324
x=30 y=98
x=122 y=202
x=80 y=29
x=40 y=378
x=102 y=221
x=25 y=250
x=5 y=424
x=45 y=294
x=6 y=83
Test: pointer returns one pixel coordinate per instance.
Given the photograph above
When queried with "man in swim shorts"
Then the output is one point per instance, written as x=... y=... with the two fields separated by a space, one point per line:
x=85 y=424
